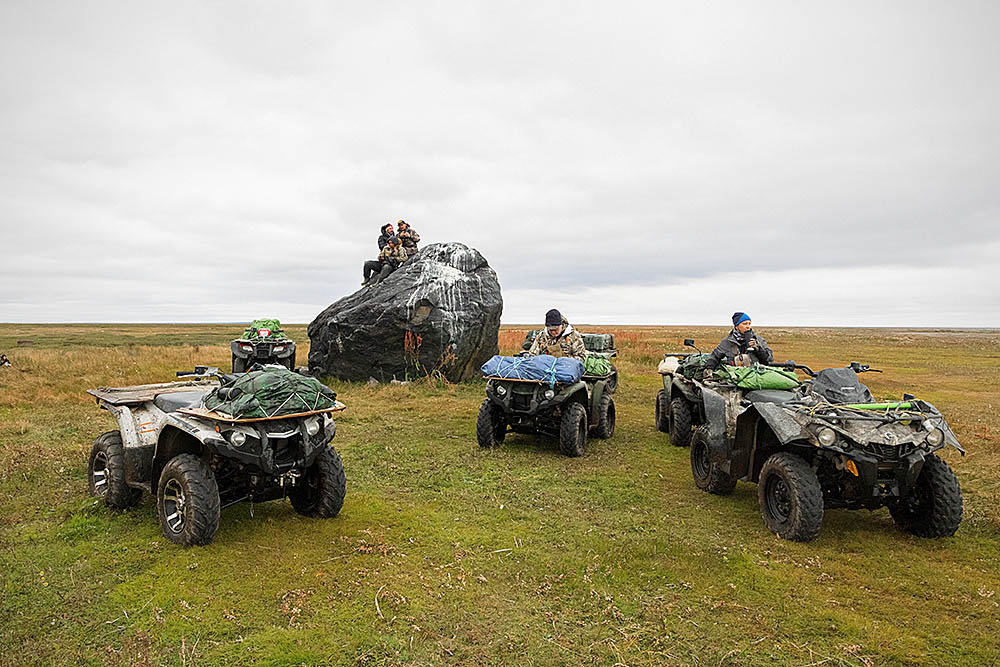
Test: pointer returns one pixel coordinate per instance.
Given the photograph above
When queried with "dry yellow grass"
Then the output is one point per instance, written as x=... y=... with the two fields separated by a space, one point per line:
x=513 y=556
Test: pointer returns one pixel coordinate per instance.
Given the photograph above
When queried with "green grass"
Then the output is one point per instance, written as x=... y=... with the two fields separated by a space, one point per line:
x=512 y=556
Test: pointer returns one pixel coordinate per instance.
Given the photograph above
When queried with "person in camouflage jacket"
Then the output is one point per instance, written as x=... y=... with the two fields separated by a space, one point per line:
x=391 y=256
x=559 y=339
x=408 y=236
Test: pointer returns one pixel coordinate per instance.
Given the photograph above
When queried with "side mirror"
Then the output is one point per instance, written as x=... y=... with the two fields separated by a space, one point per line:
x=908 y=397
x=689 y=342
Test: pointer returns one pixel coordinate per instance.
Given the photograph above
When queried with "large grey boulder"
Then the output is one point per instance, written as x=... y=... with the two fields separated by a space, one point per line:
x=439 y=311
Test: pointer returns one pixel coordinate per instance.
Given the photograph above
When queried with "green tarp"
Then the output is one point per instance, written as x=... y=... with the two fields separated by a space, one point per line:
x=271 y=392
x=273 y=327
x=693 y=366
x=757 y=377
x=597 y=366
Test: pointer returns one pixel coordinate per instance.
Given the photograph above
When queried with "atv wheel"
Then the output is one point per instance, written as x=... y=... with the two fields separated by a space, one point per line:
x=240 y=365
x=791 y=500
x=491 y=425
x=106 y=472
x=605 y=418
x=680 y=422
x=573 y=430
x=662 y=412
x=187 y=501
x=321 y=490
x=933 y=507
x=707 y=475
x=288 y=362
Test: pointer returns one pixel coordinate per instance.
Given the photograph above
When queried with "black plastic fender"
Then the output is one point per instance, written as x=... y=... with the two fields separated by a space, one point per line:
x=714 y=406
x=595 y=400
x=784 y=427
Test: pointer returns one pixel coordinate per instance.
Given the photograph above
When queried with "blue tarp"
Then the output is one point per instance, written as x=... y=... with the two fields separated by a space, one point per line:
x=546 y=368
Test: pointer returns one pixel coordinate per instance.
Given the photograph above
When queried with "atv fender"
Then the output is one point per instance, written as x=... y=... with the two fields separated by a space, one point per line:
x=782 y=425
x=595 y=400
x=714 y=405
x=181 y=435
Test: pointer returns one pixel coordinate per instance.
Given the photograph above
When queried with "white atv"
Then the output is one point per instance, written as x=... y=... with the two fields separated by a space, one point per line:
x=197 y=461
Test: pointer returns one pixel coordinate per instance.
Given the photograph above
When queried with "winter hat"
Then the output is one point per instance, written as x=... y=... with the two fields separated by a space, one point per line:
x=386 y=226
x=739 y=317
x=553 y=318
x=392 y=239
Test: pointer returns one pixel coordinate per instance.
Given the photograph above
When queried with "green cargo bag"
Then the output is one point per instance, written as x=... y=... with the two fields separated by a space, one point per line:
x=693 y=366
x=757 y=377
x=597 y=366
x=271 y=392
x=252 y=332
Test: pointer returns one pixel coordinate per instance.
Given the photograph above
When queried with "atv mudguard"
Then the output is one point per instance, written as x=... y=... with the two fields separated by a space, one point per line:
x=746 y=457
x=596 y=392
x=168 y=445
x=714 y=406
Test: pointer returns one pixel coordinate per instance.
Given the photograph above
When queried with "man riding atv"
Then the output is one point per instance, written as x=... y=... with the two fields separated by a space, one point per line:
x=555 y=388
x=742 y=347
x=558 y=339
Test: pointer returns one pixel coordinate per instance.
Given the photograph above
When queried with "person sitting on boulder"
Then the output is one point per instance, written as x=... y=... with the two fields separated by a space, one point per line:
x=408 y=236
x=390 y=258
x=742 y=347
x=386 y=232
x=558 y=338
x=372 y=267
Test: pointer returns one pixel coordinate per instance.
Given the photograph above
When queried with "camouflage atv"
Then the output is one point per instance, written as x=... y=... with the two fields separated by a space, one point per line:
x=262 y=343
x=823 y=444
x=569 y=412
x=201 y=444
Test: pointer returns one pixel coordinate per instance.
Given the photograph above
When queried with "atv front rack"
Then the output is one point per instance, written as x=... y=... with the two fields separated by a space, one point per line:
x=218 y=416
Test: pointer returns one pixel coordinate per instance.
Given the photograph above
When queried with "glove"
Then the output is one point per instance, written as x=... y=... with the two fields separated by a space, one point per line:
x=707 y=374
x=752 y=343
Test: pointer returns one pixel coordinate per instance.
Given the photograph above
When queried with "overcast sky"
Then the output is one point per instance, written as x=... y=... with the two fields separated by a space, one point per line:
x=655 y=162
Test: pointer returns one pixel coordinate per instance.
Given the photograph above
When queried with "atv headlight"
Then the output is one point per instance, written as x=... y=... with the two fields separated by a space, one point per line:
x=826 y=436
x=935 y=437
x=312 y=426
x=246 y=348
x=501 y=390
x=278 y=348
x=237 y=438
x=549 y=394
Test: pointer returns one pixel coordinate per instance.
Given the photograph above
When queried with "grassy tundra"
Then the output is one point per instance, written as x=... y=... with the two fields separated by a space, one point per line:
x=446 y=554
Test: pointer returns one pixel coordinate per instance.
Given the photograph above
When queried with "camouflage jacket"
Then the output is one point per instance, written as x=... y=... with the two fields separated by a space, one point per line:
x=393 y=256
x=569 y=344
x=410 y=239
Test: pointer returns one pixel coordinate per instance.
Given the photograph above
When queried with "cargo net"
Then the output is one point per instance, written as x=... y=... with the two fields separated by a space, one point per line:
x=263 y=328
x=268 y=393
x=542 y=368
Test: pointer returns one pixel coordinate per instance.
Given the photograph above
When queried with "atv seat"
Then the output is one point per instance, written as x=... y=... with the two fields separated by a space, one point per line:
x=770 y=396
x=179 y=399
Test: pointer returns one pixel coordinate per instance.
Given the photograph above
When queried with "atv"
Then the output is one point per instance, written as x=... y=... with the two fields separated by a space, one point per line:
x=262 y=343
x=568 y=412
x=824 y=444
x=197 y=461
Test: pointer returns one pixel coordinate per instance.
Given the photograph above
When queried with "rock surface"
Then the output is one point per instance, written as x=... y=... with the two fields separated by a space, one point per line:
x=439 y=311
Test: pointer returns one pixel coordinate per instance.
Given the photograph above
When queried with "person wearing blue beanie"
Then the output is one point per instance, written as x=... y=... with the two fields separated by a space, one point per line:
x=741 y=347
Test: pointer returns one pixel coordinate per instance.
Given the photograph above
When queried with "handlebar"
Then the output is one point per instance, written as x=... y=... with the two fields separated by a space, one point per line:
x=862 y=368
x=200 y=371
x=791 y=365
